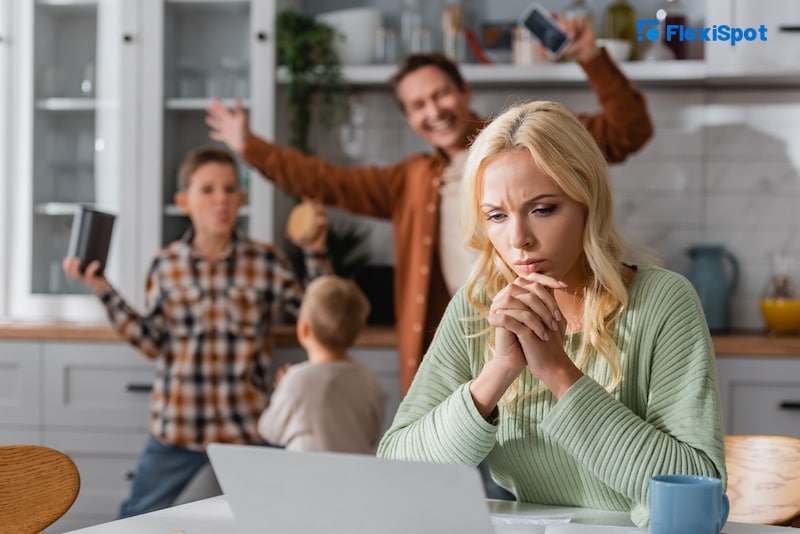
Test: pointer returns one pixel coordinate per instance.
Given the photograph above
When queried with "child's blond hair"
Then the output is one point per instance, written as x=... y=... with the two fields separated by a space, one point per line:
x=336 y=311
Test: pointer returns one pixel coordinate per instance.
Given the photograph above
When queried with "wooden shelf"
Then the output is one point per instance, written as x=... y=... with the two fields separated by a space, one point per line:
x=67 y=104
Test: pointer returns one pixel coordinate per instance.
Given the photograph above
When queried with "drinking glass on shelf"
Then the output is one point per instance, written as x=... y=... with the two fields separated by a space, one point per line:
x=191 y=80
x=88 y=80
x=385 y=46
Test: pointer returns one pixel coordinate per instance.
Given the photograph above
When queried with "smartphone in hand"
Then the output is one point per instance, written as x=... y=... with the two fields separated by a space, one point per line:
x=546 y=30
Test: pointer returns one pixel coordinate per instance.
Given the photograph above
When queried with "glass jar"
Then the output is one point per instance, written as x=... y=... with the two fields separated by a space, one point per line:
x=577 y=9
x=619 y=22
x=780 y=305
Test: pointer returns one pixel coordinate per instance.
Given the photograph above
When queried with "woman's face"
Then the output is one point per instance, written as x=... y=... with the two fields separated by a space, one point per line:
x=531 y=223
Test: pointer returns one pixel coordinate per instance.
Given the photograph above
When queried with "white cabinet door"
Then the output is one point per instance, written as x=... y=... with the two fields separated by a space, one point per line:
x=19 y=385
x=777 y=56
x=96 y=385
x=5 y=164
x=73 y=114
x=106 y=461
x=760 y=395
x=196 y=50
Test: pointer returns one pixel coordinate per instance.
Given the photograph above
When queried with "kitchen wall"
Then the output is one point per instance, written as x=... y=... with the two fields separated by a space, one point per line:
x=723 y=167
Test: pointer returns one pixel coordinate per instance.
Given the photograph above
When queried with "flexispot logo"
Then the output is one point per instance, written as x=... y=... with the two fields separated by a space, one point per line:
x=649 y=29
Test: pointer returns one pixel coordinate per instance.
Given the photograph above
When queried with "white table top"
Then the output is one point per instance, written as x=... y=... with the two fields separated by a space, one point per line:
x=213 y=516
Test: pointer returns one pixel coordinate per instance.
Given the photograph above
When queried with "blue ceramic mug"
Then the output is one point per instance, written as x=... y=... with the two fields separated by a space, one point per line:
x=680 y=504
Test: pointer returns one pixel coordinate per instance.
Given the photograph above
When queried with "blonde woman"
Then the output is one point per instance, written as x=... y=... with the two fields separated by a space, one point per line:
x=577 y=375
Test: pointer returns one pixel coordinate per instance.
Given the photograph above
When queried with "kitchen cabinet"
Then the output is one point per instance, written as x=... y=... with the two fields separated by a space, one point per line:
x=72 y=110
x=19 y=387
x=777 y=57
x=5 y=74
x=194 y=51
x=760 y=395
x=78 y=398
x=105 y=99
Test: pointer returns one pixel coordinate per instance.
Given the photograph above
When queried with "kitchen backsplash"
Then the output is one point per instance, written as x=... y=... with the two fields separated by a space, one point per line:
x=723 y=167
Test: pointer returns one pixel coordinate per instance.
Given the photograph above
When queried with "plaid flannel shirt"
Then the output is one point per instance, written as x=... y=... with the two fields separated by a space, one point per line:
x=207 y=325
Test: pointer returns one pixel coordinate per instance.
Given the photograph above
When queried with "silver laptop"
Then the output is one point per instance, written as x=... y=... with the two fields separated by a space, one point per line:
x=288 y=492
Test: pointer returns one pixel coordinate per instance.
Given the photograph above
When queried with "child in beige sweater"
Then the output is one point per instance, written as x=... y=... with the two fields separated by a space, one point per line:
x=330 y=402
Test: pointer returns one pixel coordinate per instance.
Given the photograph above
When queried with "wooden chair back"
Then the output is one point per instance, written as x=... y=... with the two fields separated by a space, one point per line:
x=763 y=479
x=37 y=486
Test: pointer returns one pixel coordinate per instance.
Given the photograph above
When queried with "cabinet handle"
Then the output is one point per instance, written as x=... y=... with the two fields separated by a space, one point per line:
x=261 y=36
x=128 y=475
x=789 y=29
x=789 y=405
x=138 y=388
x=128 y=38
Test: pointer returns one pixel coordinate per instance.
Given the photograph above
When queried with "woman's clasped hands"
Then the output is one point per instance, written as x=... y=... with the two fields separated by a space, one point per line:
x=529 y=331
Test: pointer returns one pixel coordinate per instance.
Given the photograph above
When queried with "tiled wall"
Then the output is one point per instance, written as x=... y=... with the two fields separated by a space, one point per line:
x=723 y=168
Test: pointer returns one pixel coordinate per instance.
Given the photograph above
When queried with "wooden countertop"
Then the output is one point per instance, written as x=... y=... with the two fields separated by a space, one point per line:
x=373 y=336
x=732 y=344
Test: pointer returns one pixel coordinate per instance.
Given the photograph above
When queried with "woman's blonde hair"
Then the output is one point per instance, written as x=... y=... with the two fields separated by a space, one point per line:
x=564 y=150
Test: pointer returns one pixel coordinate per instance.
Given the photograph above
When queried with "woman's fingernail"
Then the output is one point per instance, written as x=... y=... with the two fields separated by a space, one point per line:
x=558 y=314
x=554 y=325
x=562 y=284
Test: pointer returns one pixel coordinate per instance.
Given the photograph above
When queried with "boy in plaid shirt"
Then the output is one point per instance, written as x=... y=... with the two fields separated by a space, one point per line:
x=210 y=299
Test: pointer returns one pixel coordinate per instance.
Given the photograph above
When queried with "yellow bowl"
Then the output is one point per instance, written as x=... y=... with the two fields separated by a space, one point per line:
x=781 y=315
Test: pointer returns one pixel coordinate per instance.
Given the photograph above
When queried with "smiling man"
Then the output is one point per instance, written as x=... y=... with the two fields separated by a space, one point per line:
x=419 y=194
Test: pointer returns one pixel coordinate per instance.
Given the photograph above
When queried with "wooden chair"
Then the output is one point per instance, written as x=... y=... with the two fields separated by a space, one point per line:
x=37 y=486
x=764 y=479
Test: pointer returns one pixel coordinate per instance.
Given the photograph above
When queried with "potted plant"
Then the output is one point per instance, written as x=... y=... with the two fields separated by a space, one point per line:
x=306 y=46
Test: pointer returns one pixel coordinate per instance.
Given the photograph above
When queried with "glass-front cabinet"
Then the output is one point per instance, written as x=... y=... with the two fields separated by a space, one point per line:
x=105 y=97
x=5 y=168
x=194 y=51
x=73 y=112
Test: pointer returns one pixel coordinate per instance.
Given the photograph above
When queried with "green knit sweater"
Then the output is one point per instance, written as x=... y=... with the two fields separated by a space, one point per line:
x=592 y=448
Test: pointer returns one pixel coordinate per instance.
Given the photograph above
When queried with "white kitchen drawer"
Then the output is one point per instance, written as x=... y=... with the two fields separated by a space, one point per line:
x=96 y=385
x=777 y=56
x=19 y=384
x=105 y=462
x=760 y=395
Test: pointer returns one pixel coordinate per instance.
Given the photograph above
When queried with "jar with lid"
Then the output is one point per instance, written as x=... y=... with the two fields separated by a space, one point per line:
x=780 y=304
x=410 y=26
x=619 y=22
x=671 y=13
x=577 y=9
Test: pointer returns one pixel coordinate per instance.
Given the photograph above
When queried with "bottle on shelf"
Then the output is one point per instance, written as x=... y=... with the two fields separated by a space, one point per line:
x=410 y=26
x=453 y=33
x=619 y=22
x=577 y=9
x=671 y=13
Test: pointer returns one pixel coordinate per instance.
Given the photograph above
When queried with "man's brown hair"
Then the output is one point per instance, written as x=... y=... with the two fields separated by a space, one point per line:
x=413 y=62
x=198 y=157
x=336 y=310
